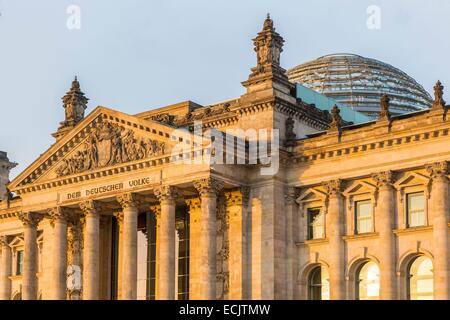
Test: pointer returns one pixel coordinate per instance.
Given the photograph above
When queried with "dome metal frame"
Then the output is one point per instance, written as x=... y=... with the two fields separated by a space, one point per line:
x=359 y=83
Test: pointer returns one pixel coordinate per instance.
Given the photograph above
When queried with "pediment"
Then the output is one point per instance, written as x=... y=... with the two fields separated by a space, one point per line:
x=359 y=187
x=311 y=194
x=411 y=179
x=106 y=138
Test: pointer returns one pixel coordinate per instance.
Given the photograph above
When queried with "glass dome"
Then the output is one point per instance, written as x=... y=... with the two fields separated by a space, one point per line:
x=359 y=83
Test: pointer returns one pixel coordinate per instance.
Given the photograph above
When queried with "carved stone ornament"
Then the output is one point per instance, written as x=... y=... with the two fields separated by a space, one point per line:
x=384 y=108
x=268 y=44
x=333 y=187
x=107 y=145
x=30 y=219
x=166 y=193
x=336 y=120
x=438 y=170
x=127 y=200
x=89 y=207
x=290 y=133
x=439 y=102
x=58 y=214
x=383 y=179
x=207 y=186
x=4 y=241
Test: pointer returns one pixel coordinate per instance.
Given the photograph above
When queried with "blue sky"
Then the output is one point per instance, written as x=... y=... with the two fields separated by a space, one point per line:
x=137 y=55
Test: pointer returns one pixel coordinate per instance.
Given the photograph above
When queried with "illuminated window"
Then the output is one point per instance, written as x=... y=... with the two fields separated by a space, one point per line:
x=316 y=229
x=319 y=284
x=19 y=263
x=363 y=217
x=416 y=209
x=420 y=279
x=368 y=282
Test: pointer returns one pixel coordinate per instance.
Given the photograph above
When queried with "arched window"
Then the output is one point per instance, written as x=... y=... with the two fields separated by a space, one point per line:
x=420 y=279
x=318 y=284
x=368 y=282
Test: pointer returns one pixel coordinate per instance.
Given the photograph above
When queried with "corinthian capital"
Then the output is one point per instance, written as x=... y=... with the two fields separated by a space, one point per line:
x=89 y=207
x=333 y=187
x=383 y=179
x=166 y=193
x=290 y=194
x=3 y=241
x=30 y=219
x=438 y=170
x=127 y=200
x=208 y=186
x=58 y=214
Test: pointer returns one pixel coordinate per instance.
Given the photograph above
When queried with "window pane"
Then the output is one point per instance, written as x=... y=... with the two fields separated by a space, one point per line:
x=416 y=209
x=319 y=284
x=421 y=286
x=316 y=222
x=363 y=217
x=19 y=265
x=369 y=282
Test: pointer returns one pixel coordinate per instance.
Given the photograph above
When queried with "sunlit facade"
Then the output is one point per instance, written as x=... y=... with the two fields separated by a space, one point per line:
x=140 y=207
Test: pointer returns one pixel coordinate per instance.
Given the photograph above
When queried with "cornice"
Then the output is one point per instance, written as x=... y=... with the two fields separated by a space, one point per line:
x=358 y=147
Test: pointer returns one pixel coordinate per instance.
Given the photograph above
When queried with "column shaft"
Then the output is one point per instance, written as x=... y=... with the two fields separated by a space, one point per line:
x=29 y=279
x=91 y=259
x=237 y=260
x=129 y=260
x=384 y=219
x=58 y=291
x=385 y=211
x=208 y=233
x=167 y=259
x=208 y=189
x=5 y=270
x=441 y=241
x=335 y=231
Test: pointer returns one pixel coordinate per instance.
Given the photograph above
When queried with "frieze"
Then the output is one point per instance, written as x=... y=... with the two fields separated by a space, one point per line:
x=107 y=145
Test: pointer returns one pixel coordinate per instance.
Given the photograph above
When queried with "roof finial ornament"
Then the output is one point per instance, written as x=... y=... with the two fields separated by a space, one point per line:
x=336 y=119
x=439 y=102
x=74 y=104
x=384 y=108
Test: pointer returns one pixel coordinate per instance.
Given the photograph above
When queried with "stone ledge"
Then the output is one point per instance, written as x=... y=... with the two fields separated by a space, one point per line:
x=413 y=230
x=312 y=242
x=361 y=236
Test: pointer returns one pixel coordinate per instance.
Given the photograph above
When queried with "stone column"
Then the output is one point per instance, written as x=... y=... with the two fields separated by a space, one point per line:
x=194 y=206
x=439 y=200
x=91 y=260
x=208 y=189
x=384 y=219
x=29 y=279
x=59 y=222
x=166 y=243
x=236 y=205
x=119 y=218
x=292 y=229
x=74 y=256
x=334 y=232
x=130 y=206
x=5 y=269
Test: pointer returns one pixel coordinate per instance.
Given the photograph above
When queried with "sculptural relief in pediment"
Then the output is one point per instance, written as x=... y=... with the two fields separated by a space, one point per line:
x=107 y=145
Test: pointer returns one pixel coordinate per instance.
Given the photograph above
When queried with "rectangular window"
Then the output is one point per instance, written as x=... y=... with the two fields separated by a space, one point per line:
x=316 y=224
x=363 y=217
x=19 y=263
x=416 y=209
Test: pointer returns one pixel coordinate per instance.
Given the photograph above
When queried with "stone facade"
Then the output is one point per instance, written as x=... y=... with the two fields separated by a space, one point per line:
x=115 y=188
